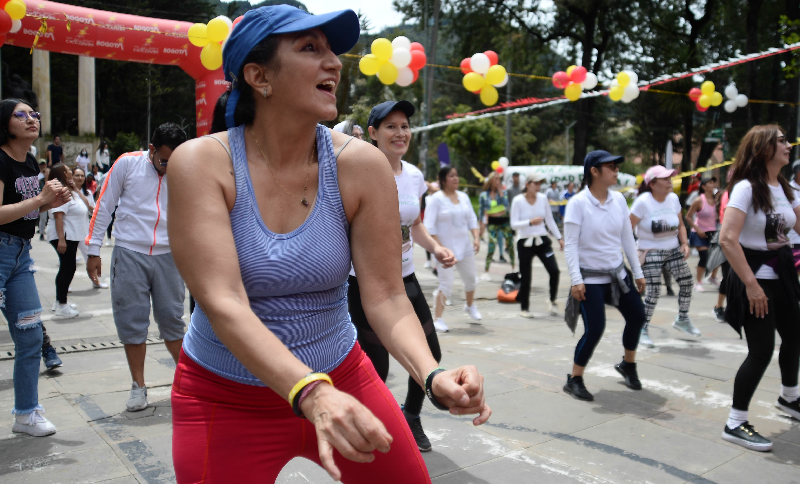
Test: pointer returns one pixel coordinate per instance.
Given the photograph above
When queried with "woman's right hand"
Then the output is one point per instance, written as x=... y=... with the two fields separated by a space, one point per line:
x=50 y=191
x=579 y=292
x=759 y=302
x=62 y=245
x=701 y=234
x=345 y=424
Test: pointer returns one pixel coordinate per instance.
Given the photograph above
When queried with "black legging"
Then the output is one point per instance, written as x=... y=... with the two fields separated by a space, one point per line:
x=545 y=254
x=703 y=254
x=377 y=352
x=760 y=332
x=66 y=269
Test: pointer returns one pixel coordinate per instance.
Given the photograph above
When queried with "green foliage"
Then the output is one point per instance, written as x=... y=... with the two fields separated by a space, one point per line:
x=123 y=143
x=474 y=144
x=790 y=34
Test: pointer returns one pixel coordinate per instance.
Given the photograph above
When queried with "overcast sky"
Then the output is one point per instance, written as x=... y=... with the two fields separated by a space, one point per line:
x=379 y=12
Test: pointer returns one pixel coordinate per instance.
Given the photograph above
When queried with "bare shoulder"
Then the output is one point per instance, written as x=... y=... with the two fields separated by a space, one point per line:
x=204 y=162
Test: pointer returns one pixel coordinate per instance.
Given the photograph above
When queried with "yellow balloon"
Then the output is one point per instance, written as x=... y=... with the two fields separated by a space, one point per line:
x=388 y=73
x=716 y=99
x=473 y=82
x=211 y=56
x=573 y=91
x=569 y=70
x=15 y=9
x=217 y=30
x=704 y=101
x=616 y=93
x=495 y=165
x=489 y=95
x=369 y=65
x=708 y=88
x=496 y=74
x=382 y=49
x=198 y=35
x=623 y=79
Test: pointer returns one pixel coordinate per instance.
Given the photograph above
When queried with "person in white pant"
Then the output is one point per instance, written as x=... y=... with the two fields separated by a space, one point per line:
x=451 y=221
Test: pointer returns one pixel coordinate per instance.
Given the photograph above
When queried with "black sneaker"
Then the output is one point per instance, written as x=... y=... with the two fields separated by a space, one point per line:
x=792 y=409
x=577 y=389
x=670 y=292
x=503 y=260
x=628 y=371
x=415 y=424
x=51 y=359
x=746 y=436
x=719 y=314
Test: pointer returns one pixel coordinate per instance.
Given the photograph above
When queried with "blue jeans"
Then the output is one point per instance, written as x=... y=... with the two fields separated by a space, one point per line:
x=19 y=301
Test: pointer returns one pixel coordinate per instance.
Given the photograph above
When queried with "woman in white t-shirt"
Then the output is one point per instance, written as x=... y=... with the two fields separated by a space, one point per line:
x=451 y=221
x=390 y=131
x=102 y=157
x=82 y=160
x=596 y=224
x=763 y=287
x=656 y=217
x=531 y=218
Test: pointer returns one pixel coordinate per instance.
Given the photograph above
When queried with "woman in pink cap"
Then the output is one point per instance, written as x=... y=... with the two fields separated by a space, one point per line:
x=702 y=218
x=662 y=243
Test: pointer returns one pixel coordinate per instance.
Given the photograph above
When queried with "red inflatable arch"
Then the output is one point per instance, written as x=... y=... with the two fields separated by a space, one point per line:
x=82 y=31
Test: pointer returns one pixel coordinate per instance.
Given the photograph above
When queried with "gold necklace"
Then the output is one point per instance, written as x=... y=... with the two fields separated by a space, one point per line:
x=308 y=170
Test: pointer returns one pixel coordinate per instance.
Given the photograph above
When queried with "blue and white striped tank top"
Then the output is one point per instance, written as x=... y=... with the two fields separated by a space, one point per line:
x=296 y=282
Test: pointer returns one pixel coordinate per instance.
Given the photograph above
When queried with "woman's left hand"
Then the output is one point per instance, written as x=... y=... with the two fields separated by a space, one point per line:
x=685 y=250
x=476 y=244
x=641 y=284
x=561 y=243
x=461 y=390
x=445 y=257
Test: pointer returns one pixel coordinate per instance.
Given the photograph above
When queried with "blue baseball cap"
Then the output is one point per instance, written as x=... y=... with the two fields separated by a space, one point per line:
x=341 y=28
x=599 y=157
x=383 y=109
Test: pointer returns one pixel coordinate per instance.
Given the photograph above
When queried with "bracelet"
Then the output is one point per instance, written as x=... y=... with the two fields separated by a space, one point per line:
x=429 y=391
x=299 y=386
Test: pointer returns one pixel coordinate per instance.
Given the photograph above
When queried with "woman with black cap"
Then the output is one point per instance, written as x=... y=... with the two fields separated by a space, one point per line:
x=702 y=218
x=390 y=131
x=271 y=341
x=763 y=288
x=597 y=223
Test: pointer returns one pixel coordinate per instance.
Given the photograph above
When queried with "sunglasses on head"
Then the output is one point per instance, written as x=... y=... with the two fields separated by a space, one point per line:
x=23 y=116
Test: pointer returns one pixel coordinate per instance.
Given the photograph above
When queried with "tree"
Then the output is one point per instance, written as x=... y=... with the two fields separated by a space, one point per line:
x=475 y=144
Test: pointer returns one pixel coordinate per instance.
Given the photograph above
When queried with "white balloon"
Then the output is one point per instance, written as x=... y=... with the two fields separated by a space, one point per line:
x=741 y=100
x=503 y=82
x=730 y=105
x=633 y=76
x=614 y=83
x=401 y=42
x=227 y=21
x=503 y=162
x=731 y=92
x=401 y=57
x=480 y=63
x=631 y=92
x=405 y=76
x=15 y=26
x=590 y=82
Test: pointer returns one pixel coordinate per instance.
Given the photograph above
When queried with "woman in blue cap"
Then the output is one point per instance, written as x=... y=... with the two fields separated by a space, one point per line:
x=597 y=223
x=287 y=204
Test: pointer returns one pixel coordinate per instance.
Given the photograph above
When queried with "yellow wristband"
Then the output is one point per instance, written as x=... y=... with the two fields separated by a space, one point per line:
x=311 y=377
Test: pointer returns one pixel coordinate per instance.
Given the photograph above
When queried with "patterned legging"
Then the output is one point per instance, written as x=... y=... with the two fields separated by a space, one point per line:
x=508 y=238
x=673 y=261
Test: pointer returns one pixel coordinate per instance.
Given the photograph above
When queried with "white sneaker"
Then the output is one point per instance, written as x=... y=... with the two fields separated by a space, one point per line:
x=427 y=264
x=102 y=285
x=685 y=326
x=699 y=287
x=472 y=311
x=486 y=277
x=440 y=326
x=33 y=424
x=645 y=340
x=55 y=305
x=526 y=314
x=713 y=280
x=66 y=311
x=106 y=244
x=138 y=398
x=552 y=306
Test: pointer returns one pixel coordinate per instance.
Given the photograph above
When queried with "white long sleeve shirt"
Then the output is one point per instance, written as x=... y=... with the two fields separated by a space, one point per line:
x=451 y=222
x=139 y=194
x=594 y=232
x=522 y=212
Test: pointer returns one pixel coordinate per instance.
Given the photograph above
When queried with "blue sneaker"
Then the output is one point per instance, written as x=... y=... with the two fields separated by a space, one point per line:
x=51 y=359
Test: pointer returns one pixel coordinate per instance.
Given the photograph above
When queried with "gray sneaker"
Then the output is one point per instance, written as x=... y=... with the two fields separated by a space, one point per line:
x=137 y=399
x=645 y=340
x=685 y=326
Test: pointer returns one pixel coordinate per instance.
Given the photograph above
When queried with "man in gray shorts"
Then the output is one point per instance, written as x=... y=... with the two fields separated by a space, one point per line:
x=141 y=263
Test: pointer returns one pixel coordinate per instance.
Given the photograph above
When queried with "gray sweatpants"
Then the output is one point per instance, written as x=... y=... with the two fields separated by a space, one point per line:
x=136 y=279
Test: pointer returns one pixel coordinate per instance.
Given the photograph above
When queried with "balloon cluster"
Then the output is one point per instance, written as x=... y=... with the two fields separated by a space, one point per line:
x=574 y=81
x=706 y=96
x=483 y=75
x=735 y=100
x=500 y=165
x=624 y=87
x=396 y=62
x=211 y=37
x=11 y=17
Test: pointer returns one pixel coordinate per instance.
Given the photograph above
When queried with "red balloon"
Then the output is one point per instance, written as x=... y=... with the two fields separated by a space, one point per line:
x=418 y=60
x=561 y=80
x=476 y=92
x=492 y=55
x=578 y=75
x=695 y=93
x=5 y=22
x=700 y=108
x=499 y=170
x=416 y=75
x=238 y=19
x=465 y=67
x=416 y=46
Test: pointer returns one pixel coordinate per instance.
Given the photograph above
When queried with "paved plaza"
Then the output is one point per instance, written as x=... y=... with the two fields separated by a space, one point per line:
x=669 y=432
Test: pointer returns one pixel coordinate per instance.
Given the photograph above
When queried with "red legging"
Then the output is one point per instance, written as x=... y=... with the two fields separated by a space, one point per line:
x=225 y=431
